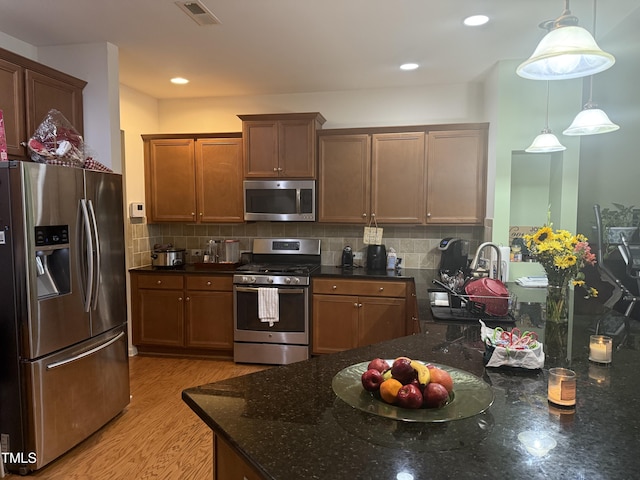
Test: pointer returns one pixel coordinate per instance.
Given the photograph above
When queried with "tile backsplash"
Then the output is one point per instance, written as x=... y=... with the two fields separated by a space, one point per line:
x=417 y=246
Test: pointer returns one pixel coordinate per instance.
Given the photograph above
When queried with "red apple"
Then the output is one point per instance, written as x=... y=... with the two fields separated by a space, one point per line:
x=378 y=364
x=403 y=371
x=435 y=395
x=409 y=396
x=371 y=380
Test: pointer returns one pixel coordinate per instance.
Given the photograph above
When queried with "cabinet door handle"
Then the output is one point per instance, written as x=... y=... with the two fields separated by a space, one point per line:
x=428 y=214
x=201 y=213
x=187 y=299
x=159 y=282
x=373 y=215
x=179 y=299
x=381 y=289
x=275 y=169
x=208 y=284
x=364 y=215
x=359 y=305
x=193 y=214
x=334 y=287
x=23 y=144
x=355 y=304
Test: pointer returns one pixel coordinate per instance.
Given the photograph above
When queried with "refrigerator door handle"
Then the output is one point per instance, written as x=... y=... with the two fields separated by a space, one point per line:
x=89 y=253
x=96 y=279
x=75 y=358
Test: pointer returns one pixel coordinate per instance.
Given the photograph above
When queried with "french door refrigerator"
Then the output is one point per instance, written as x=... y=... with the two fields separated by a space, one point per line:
x=64 y=369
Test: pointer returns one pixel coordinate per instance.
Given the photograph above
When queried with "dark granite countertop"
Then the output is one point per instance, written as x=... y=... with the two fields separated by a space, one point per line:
x=288 y=422
x=421 y=277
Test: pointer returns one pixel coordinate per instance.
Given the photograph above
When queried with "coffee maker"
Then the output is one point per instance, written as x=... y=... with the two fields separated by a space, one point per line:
x=376 y=258
x=455 y=256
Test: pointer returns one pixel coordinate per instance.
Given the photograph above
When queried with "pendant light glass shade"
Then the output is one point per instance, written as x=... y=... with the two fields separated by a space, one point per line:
x=591 y=121
x=564 y=53
x=546 y=142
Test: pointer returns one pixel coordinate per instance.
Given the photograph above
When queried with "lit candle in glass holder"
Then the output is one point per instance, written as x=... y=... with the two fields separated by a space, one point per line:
x=600 y=348
x=562 y=387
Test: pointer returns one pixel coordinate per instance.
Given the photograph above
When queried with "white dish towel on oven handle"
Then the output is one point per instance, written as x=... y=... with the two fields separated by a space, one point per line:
x=268 y=305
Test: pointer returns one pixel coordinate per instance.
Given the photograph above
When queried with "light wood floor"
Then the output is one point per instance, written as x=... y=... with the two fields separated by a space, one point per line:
x=157 y=436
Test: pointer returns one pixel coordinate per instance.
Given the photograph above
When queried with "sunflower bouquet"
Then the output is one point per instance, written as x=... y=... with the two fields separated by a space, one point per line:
x=563 y=256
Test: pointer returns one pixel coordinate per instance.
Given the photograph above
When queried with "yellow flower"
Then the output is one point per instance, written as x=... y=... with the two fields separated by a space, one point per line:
x=563 y=256
x=544 y=234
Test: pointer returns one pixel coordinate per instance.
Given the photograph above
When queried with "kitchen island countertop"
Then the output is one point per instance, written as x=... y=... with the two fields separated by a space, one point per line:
x=288 y=423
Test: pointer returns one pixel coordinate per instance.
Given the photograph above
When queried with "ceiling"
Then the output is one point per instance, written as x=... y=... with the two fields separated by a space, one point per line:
x=299 y=46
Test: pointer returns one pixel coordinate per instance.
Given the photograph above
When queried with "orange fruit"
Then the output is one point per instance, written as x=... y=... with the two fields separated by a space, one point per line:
x=389 y=390
x=442 y=377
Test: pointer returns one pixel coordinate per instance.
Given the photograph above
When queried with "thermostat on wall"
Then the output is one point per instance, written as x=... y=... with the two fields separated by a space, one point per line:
x=136 y=210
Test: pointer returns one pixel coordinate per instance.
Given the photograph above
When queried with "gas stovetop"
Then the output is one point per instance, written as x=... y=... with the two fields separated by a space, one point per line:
x=292 y=259
x=279 y=269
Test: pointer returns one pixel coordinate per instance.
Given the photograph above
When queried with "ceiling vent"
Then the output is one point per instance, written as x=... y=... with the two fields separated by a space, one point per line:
x=198 y=13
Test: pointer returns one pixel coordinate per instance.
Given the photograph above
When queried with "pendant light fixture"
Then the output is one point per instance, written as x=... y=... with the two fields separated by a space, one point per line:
x=566 y=51
x=546 y=142
x=591 y=120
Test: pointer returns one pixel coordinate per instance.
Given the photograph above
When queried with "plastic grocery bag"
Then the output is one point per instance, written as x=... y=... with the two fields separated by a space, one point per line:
x=57 y=142
x=511 y=349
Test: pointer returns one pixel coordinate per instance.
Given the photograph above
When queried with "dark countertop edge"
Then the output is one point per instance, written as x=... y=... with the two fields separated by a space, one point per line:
x=325 y=271
x=219 y=431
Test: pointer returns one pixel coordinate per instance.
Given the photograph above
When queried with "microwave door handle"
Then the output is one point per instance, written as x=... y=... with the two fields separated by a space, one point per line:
x=298 y=201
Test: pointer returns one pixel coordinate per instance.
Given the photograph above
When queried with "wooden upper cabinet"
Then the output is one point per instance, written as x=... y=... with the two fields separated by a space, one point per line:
x=397 y=177
x=12 y=106
x=344 y=166
x=219 y=180
x=44 y=93
x=456 y=176
x=190 y=179
x=170 y=180
x=367 y=175
x=28 y=90
x=280 y=145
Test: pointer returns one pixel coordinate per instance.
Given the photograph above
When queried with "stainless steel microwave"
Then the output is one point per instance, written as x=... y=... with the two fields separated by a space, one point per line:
x=280 y=200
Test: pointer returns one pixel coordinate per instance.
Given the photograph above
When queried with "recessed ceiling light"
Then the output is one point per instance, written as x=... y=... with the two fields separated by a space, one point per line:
x=179 y=81
x=409 y=66
x=476 y=20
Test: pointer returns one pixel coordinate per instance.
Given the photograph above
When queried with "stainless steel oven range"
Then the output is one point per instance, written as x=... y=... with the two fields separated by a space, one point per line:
x=272 y=302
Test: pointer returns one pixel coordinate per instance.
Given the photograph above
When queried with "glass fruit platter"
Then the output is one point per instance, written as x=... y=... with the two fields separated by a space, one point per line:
x=471 y=395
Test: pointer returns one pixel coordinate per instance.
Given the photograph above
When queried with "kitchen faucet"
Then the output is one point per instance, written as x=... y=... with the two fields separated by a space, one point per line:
x=474 y=263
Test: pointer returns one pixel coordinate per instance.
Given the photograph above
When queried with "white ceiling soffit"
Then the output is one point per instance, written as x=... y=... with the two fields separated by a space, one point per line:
x=198 y=13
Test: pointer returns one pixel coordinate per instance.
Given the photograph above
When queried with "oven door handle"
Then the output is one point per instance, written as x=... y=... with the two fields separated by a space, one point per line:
x=280 y=290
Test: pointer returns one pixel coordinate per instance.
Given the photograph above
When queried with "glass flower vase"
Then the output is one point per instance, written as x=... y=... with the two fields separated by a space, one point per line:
x=556 y=328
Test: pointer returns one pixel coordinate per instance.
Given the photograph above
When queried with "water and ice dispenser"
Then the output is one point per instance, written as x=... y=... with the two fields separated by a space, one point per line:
x=52 y=260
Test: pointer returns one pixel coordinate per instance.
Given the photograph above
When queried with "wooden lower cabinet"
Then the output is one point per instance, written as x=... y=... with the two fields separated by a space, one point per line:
x=209 y=312
x=174 y=313
x=229 y=465
x=335 y=323
x=353 y=313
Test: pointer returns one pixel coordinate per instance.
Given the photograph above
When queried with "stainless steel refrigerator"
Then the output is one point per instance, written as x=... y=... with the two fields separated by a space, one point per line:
x=64 y=370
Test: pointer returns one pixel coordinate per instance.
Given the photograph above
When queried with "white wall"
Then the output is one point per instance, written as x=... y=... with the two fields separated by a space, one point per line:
x=457 y=103
x=139 y=115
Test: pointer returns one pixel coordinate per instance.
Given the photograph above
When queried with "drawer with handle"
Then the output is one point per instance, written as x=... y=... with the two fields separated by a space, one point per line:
x=198 y=282
x=170 y=282
x=369 y=288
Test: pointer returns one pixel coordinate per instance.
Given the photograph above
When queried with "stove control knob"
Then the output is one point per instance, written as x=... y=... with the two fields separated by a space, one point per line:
x=287 y=280
x=246 y=279
x=296 y=280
